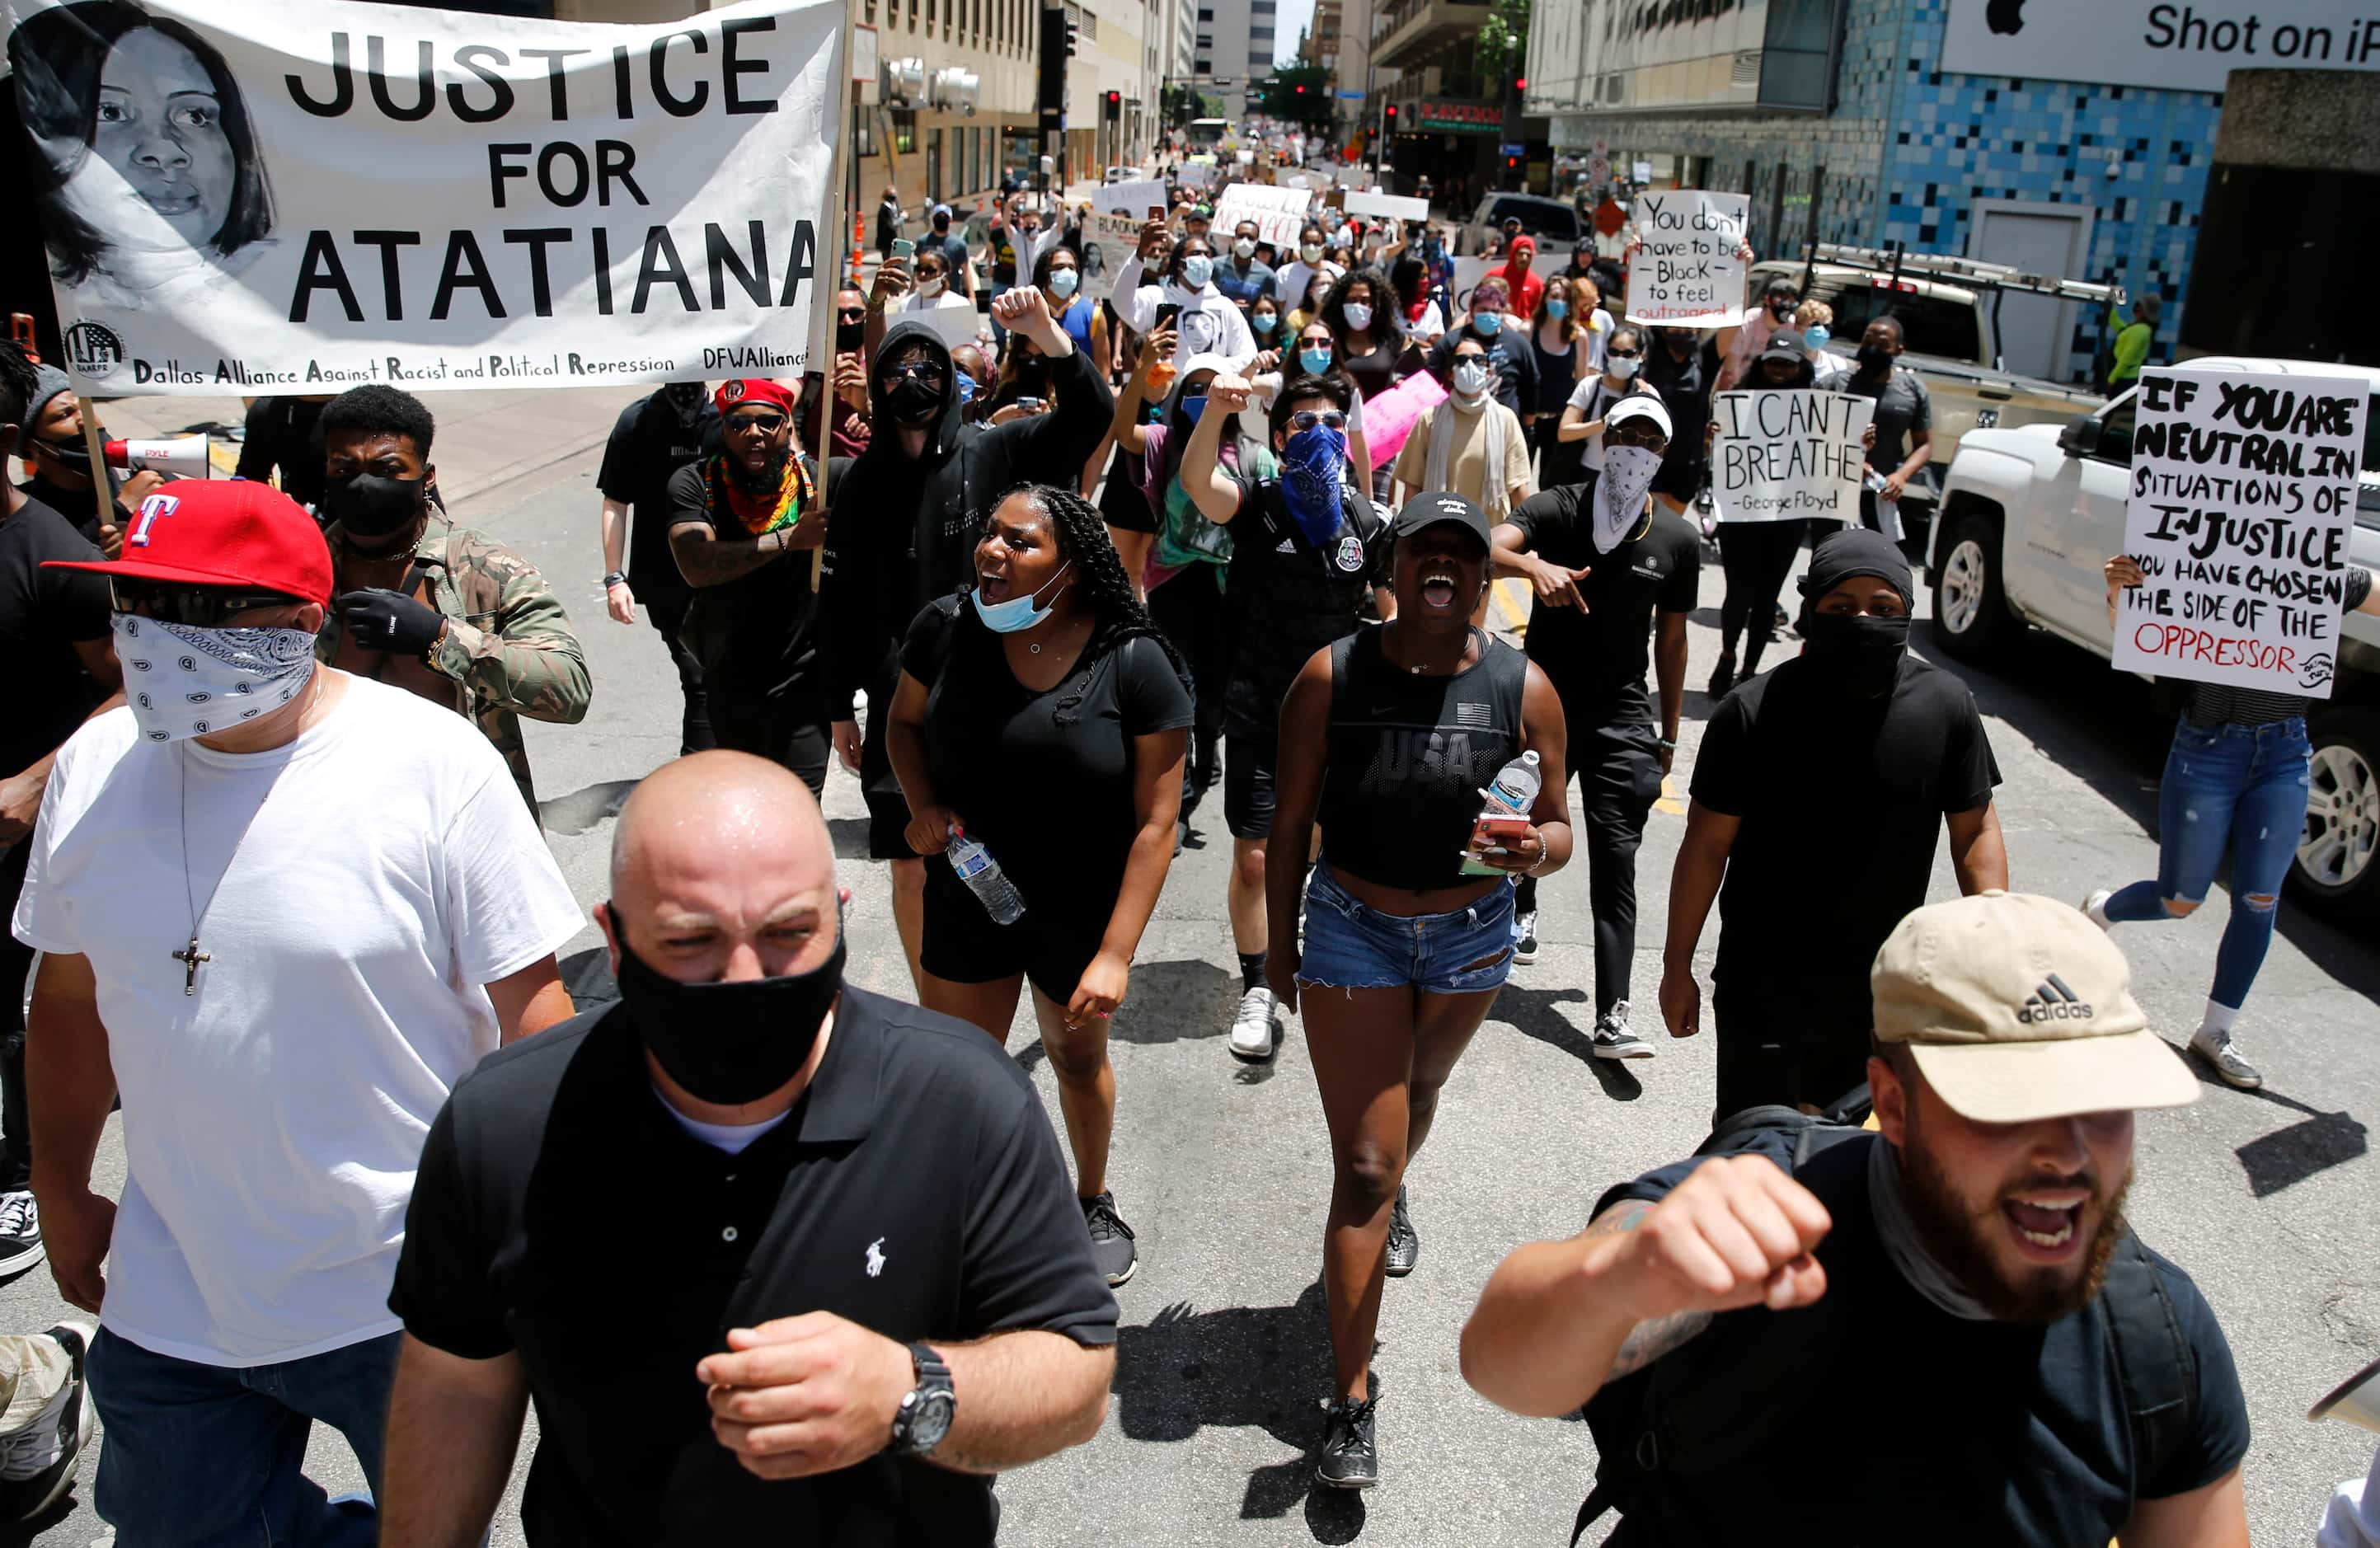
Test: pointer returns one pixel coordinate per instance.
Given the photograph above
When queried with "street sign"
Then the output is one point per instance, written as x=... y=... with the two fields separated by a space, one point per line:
x=863 y=54
x=1349 y=96
x=1509 y=149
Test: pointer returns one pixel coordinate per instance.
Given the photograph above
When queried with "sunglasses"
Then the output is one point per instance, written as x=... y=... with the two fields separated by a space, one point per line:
x=194 y=607
x=855 y=315
x=922 y=370
x=1620 y=354
x=1328 y=418
x=765 y=423
x=1639 y=432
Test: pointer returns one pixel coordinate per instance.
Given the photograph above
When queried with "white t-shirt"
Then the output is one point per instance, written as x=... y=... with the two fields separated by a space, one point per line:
x=367 y=879
x=1594 y=398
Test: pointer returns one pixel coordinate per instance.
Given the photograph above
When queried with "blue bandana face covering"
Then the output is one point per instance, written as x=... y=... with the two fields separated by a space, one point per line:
x=1313 y=476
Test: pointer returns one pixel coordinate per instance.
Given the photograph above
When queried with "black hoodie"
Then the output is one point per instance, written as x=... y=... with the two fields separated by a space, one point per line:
x=901 y=532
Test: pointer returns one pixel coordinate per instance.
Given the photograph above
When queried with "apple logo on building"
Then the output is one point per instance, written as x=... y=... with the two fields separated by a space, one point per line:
x=2005 y=15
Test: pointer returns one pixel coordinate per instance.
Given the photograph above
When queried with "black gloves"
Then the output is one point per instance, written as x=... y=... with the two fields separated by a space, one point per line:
x=389 y=622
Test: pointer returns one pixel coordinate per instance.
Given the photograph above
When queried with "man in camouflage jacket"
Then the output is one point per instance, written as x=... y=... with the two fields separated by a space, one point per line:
x=443 y=610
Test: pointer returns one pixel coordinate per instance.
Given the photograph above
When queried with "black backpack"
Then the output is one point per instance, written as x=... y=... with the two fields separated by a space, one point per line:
x=1684 y=1423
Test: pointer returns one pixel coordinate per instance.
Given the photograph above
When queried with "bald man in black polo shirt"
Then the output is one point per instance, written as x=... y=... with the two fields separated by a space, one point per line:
x=856 y=1283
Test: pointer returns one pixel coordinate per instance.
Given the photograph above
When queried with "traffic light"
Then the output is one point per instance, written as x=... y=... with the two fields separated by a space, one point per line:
x=1072 y=32
x=1301 y=90
x=1389 y=117
x=1114 y=102
x=1521 y=83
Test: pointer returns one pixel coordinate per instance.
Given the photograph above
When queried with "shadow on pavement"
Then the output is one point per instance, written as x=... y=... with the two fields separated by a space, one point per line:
x=2097 y=724
x=1186 y=999
x=582 y=809
x=2287 y=1156
x=1532 y=1013
x=1262 y=1366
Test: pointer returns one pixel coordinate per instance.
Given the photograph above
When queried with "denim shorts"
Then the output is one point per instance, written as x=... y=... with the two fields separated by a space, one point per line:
x=1351 y=945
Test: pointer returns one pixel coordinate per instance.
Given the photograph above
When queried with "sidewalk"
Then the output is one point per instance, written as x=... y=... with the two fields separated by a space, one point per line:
x=486 y=440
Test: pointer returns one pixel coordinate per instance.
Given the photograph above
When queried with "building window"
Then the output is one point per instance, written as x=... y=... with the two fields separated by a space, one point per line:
x=1206 y=13
x=862 y=136
x=905 y=131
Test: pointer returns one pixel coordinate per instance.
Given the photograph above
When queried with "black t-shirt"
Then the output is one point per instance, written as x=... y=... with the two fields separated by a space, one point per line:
x=1903 y=406
x=1685 y=388
x=767 y=618
x=79 y=509
x=649 y=445
x=916 y=1188
x=42 y=613
x=1596 y=659
x=2000 y=1433
x=286 y=433
x=1806 y=898
x=1005 y=757
x=1286 y=597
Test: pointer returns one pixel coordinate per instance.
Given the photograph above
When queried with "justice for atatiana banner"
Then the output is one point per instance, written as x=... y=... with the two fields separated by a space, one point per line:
x=1788 y=455
x=266 y=199
x=2241 y=507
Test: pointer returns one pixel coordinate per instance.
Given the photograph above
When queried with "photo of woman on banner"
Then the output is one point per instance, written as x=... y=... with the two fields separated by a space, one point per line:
x=146 y=172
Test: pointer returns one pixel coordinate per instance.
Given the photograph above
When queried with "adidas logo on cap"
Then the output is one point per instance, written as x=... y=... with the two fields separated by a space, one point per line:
x=2054 y=1002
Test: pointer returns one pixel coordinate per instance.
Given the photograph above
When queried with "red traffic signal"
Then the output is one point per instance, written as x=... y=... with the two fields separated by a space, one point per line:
x=1521 y=84
x=1301 y=90
x=1114 y=98
x=1389 y=113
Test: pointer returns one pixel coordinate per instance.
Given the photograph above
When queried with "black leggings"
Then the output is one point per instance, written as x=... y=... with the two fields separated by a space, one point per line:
x=1758 y=557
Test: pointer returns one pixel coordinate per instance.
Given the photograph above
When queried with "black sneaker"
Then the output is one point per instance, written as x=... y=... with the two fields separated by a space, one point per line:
x=44 y=1424
x=1525 y=950
x=1722 y=676
x=1350 y=1459
x=1404 y=1243
x=20 y=1233
x=1111 y=1249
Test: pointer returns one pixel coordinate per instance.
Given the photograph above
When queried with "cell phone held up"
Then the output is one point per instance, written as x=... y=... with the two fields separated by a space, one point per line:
x=903 y=249
x=1167 y=314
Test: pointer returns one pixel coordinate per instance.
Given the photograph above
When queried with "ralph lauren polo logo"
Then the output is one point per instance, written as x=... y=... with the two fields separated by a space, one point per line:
x=876 y=1257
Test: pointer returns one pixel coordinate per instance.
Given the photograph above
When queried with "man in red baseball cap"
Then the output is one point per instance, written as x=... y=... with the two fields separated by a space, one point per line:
x=284 y=910
x=734 y=517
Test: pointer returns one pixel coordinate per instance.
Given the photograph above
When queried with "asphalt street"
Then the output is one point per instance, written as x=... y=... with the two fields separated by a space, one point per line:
x=1224 y=1170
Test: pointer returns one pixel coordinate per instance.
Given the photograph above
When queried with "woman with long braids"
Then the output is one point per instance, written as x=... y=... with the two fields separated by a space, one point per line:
x=1045 y=677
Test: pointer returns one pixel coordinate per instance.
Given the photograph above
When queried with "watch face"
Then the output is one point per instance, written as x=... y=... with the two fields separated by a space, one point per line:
x=932 y=1423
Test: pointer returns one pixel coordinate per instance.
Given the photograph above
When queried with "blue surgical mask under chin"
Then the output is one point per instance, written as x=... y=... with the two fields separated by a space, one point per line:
x=1818 y=337
x=1263 y=323
x=1558 y=310
x=1315 y=361
x=965 y=386
x=1018 y=613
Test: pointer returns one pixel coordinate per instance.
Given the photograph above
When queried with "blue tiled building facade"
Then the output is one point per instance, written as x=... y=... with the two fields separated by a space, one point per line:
x=1909 y=149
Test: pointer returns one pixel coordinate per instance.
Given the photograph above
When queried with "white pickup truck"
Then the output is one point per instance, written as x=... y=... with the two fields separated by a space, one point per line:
x=2028 y=516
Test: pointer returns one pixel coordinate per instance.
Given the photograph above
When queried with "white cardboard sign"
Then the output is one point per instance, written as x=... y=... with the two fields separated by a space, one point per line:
x=1687 y=275
x=1788 y=455
x=1395 y=206
x=1279 y=213
x=2241 y=508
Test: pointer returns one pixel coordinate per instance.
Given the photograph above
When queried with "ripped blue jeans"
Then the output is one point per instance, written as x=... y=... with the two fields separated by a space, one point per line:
x=2236 y=789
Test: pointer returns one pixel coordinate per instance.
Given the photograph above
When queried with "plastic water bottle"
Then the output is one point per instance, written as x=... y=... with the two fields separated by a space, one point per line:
x=1512 y=793
x=1515 y=786
x=985 y=879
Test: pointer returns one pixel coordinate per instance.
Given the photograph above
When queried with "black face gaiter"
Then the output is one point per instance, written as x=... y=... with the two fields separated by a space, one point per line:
x=368 y=505
x=1857 y=656
x=730 y=1043
x=69 y=453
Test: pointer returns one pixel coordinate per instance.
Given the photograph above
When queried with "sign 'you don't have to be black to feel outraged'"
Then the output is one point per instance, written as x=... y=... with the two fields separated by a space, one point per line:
x=353 y=193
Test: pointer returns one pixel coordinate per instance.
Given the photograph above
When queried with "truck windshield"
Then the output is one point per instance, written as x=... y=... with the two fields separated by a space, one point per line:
x=1930 y=324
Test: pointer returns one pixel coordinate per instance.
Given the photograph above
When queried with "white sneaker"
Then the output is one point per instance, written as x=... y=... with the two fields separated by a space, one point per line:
x=2218 y=1050
x=45 y=1420
x=1613 y=1038
x=1255 y=1034
x=2095 y=906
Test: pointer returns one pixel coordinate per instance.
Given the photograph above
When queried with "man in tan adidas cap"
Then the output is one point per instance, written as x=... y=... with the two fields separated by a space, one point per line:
x=1943 y=1332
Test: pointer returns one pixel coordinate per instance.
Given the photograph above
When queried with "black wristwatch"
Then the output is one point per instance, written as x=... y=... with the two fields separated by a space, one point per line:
x=924 y=1417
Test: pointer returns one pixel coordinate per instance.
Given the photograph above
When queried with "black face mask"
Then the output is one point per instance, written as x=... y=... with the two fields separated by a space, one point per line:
x=730 y=1043
x=1858 y=656
x=686 y=398
x=1873 y=359
x=912 y=402
x=849 y=336
x=368 y=505
x=69 y=453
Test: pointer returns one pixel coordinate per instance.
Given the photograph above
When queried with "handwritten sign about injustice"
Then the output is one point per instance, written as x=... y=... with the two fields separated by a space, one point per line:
x=1788 y=455
x=2242 y=506
x=1687 y=273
